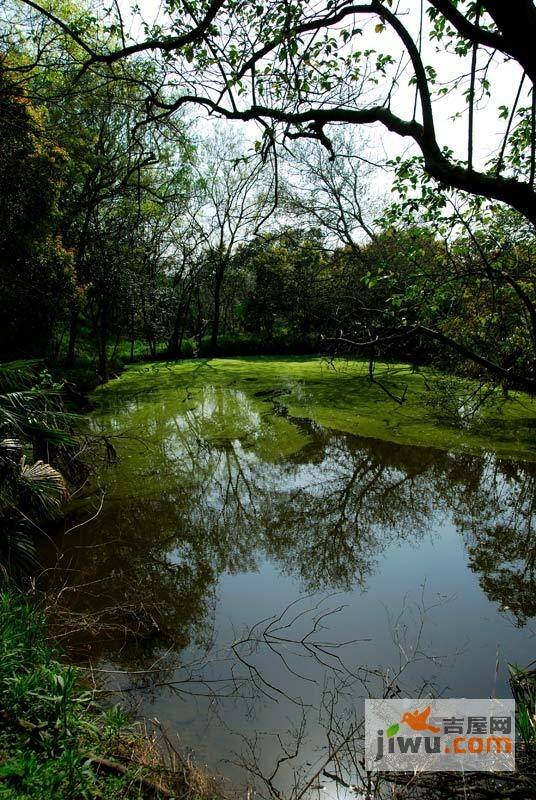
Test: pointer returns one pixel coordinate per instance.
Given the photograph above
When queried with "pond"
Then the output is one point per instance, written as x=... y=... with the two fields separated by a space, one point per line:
x=271 y=540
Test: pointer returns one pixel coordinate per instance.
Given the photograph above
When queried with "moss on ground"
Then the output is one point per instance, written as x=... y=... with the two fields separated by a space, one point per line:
x=253 y=398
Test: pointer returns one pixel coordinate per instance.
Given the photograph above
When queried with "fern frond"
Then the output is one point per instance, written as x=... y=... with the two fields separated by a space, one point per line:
x=17 y=374
x=44 y=486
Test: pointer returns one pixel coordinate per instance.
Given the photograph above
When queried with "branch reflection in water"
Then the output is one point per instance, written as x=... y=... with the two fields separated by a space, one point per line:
x=224 y=510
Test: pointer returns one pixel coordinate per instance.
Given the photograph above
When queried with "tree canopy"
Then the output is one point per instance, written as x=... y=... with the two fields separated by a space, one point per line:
x=161 y=233
x=298 y=67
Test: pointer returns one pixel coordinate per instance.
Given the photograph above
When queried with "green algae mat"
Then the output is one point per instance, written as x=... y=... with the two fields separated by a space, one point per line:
x=263 y=402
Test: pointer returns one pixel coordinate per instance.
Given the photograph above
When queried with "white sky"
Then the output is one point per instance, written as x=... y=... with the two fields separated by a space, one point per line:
x=452 y=133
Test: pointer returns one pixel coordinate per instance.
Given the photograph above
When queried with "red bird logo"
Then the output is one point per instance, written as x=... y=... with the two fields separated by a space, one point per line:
x=417 y=721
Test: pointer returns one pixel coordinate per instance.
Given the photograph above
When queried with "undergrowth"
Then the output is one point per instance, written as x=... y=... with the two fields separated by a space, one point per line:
x=56 y=743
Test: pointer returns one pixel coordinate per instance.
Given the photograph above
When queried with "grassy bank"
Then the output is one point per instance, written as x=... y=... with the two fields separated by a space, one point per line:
x=403 y=405
x=57 y=743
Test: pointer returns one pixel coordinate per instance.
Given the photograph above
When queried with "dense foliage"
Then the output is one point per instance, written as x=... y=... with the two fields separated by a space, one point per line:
x=127 y=231
x=55 y=743
x=37 y=278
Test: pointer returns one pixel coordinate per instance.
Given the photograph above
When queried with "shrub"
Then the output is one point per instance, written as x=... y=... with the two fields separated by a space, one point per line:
x=253 y=345
x=55 y=742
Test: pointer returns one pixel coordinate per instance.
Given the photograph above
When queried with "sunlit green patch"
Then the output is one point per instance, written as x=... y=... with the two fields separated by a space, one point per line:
x=253 y=400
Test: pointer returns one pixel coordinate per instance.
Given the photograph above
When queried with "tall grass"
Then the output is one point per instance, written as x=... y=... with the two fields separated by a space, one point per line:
x=56 y=743
x=523 y=685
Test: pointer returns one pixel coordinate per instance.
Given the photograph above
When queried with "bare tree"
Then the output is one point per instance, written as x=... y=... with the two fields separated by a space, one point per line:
x=336 y=195
x=232 y=200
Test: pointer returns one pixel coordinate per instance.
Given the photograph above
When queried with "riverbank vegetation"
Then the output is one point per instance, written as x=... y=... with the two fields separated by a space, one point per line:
x=59 y=740
x=38 y=455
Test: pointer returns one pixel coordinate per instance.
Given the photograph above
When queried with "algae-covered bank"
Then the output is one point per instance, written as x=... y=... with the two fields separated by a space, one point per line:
x=435 y=411
x=271 y=539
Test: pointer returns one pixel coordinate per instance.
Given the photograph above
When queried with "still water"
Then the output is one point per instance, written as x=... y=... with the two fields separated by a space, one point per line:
x=271 y=540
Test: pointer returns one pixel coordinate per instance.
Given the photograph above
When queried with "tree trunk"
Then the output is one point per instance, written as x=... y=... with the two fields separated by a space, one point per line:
x=73 y=332
x=173 y=344
x=200 y=326
x=217 y=308
x=179 y=325
x=103 y=341
x=132 y=334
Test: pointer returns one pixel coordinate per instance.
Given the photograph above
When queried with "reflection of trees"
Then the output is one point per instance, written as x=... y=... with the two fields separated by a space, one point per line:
x=134 y=575
x=347 y=508
x=198 y=500
x=500 y=535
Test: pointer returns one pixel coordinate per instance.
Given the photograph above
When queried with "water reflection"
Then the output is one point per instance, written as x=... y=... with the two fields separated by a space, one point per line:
x=497 y=524
x=209 y=484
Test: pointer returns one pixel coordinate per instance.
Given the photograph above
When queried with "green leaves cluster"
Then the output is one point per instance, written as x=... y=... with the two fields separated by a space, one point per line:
x=36 y=442
x=52 y=733
x=36 y=282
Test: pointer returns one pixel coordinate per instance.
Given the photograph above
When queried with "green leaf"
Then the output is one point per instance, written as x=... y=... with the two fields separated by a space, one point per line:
x=392 y=729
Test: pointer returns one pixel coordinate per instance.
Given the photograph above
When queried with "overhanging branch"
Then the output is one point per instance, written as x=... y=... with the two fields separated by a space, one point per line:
x=528 y=384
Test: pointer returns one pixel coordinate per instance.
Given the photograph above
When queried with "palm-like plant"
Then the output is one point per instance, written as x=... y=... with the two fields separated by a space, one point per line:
x=35 y=434
x=523 y=685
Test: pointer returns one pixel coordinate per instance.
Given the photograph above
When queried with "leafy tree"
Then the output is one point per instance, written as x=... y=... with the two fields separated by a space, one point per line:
x=287 y=288
x=297 y=67
x=123 y=183
x=122 y=200
x=36 y=281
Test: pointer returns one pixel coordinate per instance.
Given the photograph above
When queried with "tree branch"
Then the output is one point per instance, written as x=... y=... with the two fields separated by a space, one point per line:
x=521 y=381
x=166 y=44
x=474 y=33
